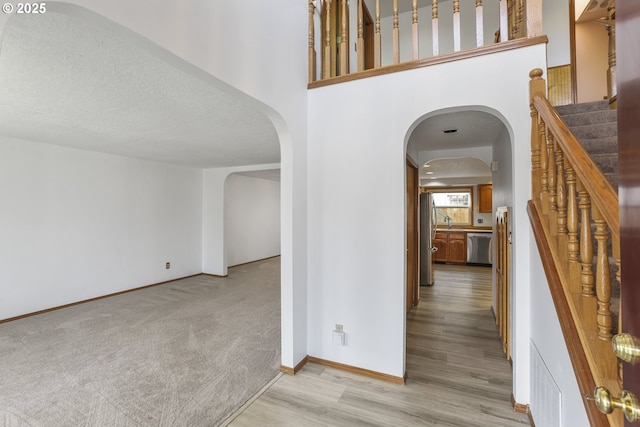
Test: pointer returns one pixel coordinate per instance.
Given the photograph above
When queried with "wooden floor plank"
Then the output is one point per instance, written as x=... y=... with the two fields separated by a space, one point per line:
x=457 y=372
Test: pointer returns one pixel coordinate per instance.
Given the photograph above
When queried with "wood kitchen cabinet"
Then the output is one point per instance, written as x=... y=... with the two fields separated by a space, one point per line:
x=457 y=248
x=452 y=247
x=440 y=242
x=485 y=195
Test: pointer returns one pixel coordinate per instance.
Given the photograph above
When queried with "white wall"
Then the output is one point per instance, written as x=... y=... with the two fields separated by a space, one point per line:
x=356 y=232
x=252 y=219
x=555 y=24
x=592 y=54
x=214 y=239
x=76 y=224
x=259 y=48
x=546 y=336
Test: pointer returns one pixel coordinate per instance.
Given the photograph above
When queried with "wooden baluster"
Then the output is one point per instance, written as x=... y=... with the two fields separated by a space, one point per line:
x=603 y=276
x=326 y=62
x=573 y=244
x=534 y=18
x=377 y=40
x=586 y=243
x=504 y=20
x=544 y=167
x=588 y=301
x=434 y=27
x=396 y=34
x=456 y=25
x=360 y=37
x=520 y=18
x=510 y=8
x=414 y=29
x=344 y=47
x=553 y=189
x=515 y=19
x=612 y=90
x=561 y=201
x=536 y=86
x=312 y=43
x=615 y=251
x=479 y=24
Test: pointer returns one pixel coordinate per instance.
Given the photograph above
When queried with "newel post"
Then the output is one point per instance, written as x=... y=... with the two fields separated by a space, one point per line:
x=537 y=86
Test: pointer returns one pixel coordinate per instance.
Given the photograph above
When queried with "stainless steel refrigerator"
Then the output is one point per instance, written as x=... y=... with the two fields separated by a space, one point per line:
x=428 y=222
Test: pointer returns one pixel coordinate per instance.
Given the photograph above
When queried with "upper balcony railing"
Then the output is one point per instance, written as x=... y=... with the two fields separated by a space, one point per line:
x=381 y=40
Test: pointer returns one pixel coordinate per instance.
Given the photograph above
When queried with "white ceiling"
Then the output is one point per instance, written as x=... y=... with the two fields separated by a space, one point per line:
x=268 y=174
x=593 y=10
x=454 y=171
x=69 y=82
x=474 y=129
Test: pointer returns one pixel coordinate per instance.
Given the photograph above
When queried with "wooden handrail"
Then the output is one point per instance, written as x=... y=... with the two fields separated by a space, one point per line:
x=427 y=62
x=574 y=214
x=592 y=178
x=335 y=29
x=586 y=380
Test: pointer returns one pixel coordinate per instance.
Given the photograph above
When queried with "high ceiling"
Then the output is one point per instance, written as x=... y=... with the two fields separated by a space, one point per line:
x=69 y=82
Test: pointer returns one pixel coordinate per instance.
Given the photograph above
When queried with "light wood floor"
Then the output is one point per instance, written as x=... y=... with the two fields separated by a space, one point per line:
x=457 y=374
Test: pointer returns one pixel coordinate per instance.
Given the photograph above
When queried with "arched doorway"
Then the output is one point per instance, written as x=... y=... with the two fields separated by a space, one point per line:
x=463 y=148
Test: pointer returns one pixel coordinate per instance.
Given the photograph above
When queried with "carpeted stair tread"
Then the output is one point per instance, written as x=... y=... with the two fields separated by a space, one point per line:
x=601 y=130
x=608 y=144
x=613 y=179
x=582 y=107
x=590 y=118
x=595 y=126
x=608 y=163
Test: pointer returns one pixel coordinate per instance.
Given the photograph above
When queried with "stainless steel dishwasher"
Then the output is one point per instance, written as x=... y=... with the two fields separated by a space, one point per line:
x=479 y=248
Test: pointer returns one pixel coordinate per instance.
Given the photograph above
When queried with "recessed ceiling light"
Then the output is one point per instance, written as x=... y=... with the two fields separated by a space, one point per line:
x=452 y=130
x=426 y=166
x=429 y=173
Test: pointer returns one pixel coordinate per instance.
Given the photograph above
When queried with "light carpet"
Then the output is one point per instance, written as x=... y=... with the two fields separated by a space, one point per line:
x=185 y=353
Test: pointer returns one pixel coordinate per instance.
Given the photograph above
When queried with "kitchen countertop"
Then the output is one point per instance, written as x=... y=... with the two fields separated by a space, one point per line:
x=466 y=230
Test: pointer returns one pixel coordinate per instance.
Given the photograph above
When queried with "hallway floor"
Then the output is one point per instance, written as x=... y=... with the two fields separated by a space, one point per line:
x=457 y=373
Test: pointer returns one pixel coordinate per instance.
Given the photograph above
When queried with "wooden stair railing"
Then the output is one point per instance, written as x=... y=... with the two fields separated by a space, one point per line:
x=574 y=213
x=518 y=19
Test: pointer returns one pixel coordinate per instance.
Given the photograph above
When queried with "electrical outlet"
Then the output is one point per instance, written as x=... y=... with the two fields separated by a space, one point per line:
x=480 y=220
x=168 y=265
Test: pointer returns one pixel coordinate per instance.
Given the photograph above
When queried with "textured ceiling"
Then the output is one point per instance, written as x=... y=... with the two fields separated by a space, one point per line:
x=67 y=81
